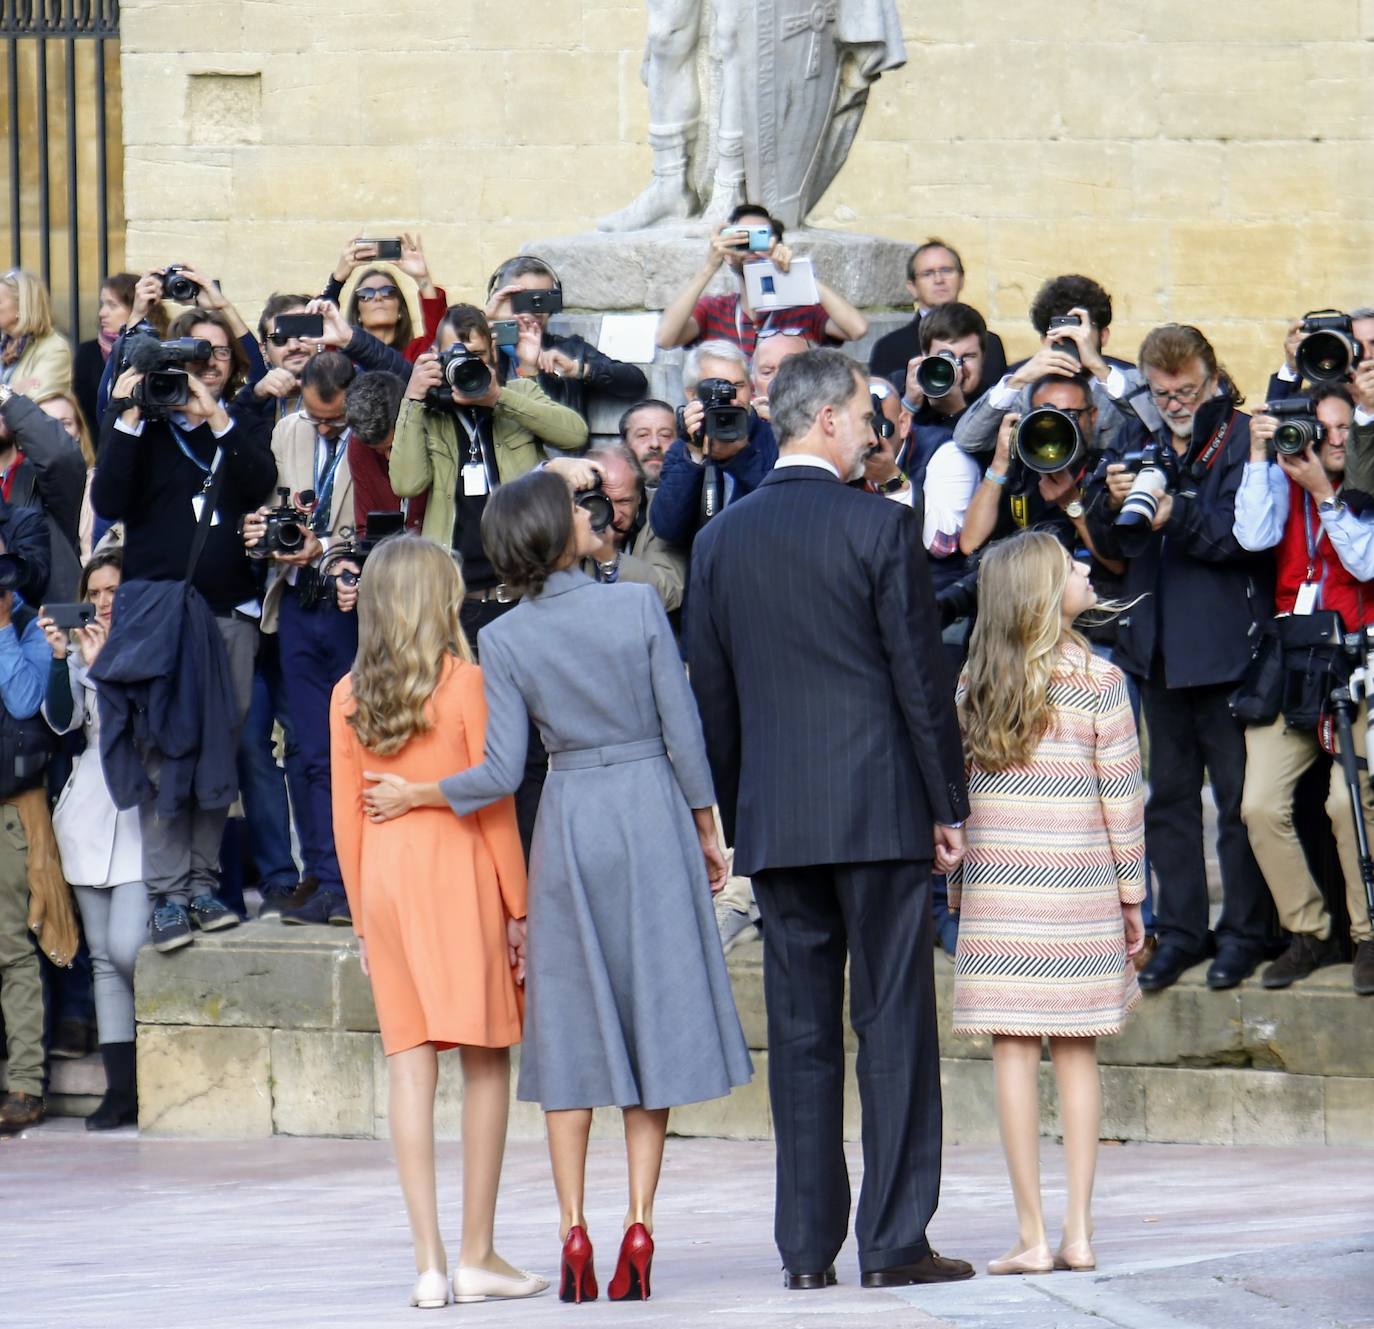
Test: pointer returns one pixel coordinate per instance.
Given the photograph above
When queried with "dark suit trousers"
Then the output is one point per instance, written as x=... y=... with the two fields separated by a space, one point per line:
x=878 y=915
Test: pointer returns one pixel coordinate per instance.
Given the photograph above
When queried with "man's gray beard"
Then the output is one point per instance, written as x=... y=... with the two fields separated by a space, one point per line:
x=1180 y=429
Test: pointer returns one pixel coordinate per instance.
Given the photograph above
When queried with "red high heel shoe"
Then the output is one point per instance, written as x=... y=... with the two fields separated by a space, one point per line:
x=631 y=1281
x=578 y=1280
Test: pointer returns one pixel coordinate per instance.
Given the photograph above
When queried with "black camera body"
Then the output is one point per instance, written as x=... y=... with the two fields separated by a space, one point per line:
x=287 y=527
x=1299 y=428
x=464 y=372
x=597 y=505
x=1063 y=343
x=177 y=286
x=1329 y=350
x=724 y=421
x=164 y=387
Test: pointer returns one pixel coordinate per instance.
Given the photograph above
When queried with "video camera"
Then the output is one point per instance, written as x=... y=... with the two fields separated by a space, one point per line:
x=163 y=388
x=464 y=372
x=1329 y=350
x=724 y=421
x=320 y=585
x=1299 y=428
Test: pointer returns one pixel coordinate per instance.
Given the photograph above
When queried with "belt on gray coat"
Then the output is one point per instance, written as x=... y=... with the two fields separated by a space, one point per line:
x=576 y=759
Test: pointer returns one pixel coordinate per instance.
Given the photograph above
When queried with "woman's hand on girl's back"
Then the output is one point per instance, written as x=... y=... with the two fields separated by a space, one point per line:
x=387 y=798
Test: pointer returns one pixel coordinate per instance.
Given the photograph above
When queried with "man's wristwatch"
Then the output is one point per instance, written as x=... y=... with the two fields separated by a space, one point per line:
x=1073 y=511
x=895 y=485
x=1329 y=507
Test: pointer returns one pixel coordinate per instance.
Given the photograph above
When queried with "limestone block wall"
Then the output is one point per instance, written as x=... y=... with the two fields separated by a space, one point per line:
x=1208 y=163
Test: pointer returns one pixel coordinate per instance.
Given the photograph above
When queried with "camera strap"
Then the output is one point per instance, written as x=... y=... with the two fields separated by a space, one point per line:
x=326 y=468
x=205 y=518
x=1205 y=459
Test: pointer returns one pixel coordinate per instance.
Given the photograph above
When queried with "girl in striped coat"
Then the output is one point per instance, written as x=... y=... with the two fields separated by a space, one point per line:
x=1050 y=890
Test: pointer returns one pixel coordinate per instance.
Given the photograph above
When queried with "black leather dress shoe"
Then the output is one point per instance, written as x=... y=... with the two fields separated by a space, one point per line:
x=1231 y=967
x=1169 y=964
x=794 y=1282
x=933 y=1269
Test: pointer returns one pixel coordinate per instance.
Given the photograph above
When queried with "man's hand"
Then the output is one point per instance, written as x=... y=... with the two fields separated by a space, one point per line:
x=726 y=246
x=1307 y=473
x=57 y=637
x=577 y=472
x=1262 y=430
x=337 y=331
x=529 y=345
x=693 y=413
x=306 y=554
x=913 y=392
x=147 y=296
x=1119 y=482
x=277 y=383
x=516 y=933
x=1046 y=360
x=559 y=365
x=1291 y=342
x=123 y=390
x=781 y=255
x=209 y=296
x=1059 y=487
x=1163 y=512
x=346 y=591
x=1362 y=386
x=498 y=298
x=424 y=376
x=489 y=398
x=1006 y=434
x=1082 y=337
x=254 y=528
x=202 y=405
x=949 y=847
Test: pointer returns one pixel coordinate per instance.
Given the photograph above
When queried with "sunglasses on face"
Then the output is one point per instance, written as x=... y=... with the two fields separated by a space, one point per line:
x=369 y=293
x=281 y=338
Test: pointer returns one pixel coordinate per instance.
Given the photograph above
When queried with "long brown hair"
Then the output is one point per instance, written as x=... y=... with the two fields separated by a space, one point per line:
x=404 y=333
x=408 y=603
x=1015 y=649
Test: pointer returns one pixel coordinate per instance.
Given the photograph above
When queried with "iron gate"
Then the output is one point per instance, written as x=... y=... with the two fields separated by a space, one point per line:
x=63 y=196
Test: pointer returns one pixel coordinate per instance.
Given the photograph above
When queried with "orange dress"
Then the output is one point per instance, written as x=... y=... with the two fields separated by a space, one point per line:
x=430 y=891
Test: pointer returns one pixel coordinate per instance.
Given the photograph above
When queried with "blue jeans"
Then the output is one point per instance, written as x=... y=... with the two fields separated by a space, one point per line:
x=317 y=650
x=262 y=780
x=1147 y=909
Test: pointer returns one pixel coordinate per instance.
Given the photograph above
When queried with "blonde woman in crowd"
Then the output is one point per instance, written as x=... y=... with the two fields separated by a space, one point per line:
x=1050 y=890
x=64 y=408
x=34 y=359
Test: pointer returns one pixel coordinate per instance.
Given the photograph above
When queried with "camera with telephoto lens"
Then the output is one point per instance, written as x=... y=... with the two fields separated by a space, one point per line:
x=1329 y=350
x=1063 y=343
x=1048 y=440
x=287 y=527
x=465 y=373
x=937 y=374
x=597 y=505
x=1299 y=428
x=724 y=421
x=1151 y=484
x=176 y=285
x=163 y=387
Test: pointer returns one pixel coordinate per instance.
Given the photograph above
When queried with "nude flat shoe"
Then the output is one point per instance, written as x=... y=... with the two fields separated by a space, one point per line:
x=1033 y=1260
x=430 y=1292
x=1076 y=1256
x=472 y=1284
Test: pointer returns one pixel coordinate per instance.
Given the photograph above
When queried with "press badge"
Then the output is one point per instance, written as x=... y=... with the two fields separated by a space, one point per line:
x=198 y=506
x=474 y=480
x=1306 y=601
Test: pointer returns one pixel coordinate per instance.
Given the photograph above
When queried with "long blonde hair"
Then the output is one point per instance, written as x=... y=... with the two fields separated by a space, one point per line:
x=408 y=604
x=1015 y=649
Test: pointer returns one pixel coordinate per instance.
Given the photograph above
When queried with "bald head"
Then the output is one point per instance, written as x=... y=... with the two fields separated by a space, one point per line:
x=769 y=354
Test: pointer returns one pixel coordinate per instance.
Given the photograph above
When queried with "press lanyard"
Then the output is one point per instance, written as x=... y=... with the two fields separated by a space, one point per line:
x=477 y=454
x=325 y=469
x=185 y=447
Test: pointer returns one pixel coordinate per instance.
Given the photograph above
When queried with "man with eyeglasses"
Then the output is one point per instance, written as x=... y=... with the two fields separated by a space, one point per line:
x=317 y=630
x=934 y=278
x=1194 y=594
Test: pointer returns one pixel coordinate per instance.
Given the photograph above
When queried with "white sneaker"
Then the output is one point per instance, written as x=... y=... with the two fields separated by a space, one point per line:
x=430 y=1292
x=470 y=1284
x=735 y=925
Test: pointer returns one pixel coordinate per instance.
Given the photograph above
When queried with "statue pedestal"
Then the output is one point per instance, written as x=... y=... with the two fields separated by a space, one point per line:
x=610 y=272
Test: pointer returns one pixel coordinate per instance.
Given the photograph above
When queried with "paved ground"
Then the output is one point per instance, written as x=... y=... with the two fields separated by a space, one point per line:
x=114 y=1231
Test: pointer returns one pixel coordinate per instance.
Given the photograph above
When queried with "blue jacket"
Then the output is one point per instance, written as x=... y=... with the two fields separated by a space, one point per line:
x=676 y=512
x=164 y=688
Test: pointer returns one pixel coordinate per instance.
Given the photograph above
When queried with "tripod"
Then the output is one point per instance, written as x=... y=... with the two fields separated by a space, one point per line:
x=1344 y=702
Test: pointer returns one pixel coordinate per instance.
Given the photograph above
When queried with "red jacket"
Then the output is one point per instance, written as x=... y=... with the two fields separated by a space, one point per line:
x=1339 y=589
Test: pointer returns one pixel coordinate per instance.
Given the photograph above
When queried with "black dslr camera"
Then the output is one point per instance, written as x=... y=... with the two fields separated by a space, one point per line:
x=1329 y=350
x=1152 y=482
x=163 y=387
x=598 y=506
x=464 y=373
x=287 y=527
x=177 y=286
x=1299 y=428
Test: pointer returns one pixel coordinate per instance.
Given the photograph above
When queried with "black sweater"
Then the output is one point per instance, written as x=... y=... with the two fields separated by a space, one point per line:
x=148 y=483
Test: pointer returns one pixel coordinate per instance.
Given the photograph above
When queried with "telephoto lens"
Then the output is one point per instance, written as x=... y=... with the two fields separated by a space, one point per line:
x=597 y=505
x=1048 y=440
x=937 y=374
x=1329 y=350
x=1143 y=501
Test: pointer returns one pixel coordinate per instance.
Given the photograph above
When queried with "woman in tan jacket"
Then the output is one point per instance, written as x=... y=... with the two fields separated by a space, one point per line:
x=34 y=359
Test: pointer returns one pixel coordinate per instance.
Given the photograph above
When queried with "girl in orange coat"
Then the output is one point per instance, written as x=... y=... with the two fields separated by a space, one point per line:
x=438 y=901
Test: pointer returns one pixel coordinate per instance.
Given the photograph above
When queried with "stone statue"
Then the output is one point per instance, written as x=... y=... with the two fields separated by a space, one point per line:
x=785 y=86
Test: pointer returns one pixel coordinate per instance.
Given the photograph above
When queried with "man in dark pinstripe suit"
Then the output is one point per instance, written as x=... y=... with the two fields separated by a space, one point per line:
x=815 y=654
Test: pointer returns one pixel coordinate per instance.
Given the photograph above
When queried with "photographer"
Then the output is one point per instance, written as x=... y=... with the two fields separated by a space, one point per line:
x=1188 y=642
x=1290 y=501
x=42 y=468
x=316 y=628
x=378 y=305
x=180 y=481
x=703 y=472
x=649 y=429
x=935 y=280
x=693 y=316
x=568 y=367
x=278 y=391
x=371 y=406
x=956 y=335
x=882 y=473
x=1288 y=379
x=773 y=349
x=1081 y=314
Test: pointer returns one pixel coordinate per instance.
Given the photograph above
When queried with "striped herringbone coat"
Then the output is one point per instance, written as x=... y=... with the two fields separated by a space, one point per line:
x=1055 y=848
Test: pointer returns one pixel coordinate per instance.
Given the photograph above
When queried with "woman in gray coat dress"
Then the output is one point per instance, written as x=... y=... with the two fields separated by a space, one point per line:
x=629 y=1003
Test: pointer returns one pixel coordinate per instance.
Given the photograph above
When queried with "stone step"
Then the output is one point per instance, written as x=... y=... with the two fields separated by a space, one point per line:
x=75 y=1085
x=270 y=1030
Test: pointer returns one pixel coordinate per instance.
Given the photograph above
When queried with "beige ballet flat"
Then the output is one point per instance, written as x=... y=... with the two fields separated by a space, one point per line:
x=1033 y=1260
x=471 y=1284
x=430 y=1292
x=1076 y=1256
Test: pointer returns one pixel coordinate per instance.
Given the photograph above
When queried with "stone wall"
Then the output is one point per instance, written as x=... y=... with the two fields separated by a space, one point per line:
x=1209 y=163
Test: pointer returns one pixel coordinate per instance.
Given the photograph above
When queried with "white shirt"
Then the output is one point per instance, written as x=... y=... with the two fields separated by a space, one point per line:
x=806 y=459
x=951 y=479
